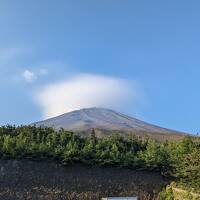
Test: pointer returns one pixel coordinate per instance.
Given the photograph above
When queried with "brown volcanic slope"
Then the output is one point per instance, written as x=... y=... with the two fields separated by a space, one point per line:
x=42 y=180
x=105 y=122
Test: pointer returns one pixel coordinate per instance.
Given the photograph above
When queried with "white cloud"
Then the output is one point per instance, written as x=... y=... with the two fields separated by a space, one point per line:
x=28 y=75
x=85 y=90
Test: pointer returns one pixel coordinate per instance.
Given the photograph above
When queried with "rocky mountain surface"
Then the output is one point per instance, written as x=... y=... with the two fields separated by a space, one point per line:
x=103 y=121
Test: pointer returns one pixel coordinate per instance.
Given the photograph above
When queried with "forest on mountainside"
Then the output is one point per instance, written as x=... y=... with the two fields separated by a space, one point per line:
x=179 y=161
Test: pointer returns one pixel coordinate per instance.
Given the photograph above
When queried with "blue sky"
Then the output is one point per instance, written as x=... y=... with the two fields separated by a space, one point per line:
x=141 y=56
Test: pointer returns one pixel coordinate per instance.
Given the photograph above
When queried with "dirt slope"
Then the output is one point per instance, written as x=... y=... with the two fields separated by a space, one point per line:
x=43 y=180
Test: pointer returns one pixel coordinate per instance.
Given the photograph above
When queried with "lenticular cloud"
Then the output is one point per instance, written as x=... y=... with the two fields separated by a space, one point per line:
x=83 y=91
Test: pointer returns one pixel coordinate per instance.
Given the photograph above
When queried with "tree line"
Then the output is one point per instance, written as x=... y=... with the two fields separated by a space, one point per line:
x=177 y=160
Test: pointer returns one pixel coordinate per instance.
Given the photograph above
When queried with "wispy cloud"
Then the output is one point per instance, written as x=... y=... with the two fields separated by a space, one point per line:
x=43 y=72
x=31 y=76
x=28 y=75
x=85 y=90
x=11 y=60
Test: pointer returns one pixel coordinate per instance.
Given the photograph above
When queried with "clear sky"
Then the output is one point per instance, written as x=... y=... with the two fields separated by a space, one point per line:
x=139 y=57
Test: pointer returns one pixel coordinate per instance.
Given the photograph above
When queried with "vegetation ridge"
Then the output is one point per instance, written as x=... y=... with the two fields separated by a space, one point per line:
x=179 y=161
